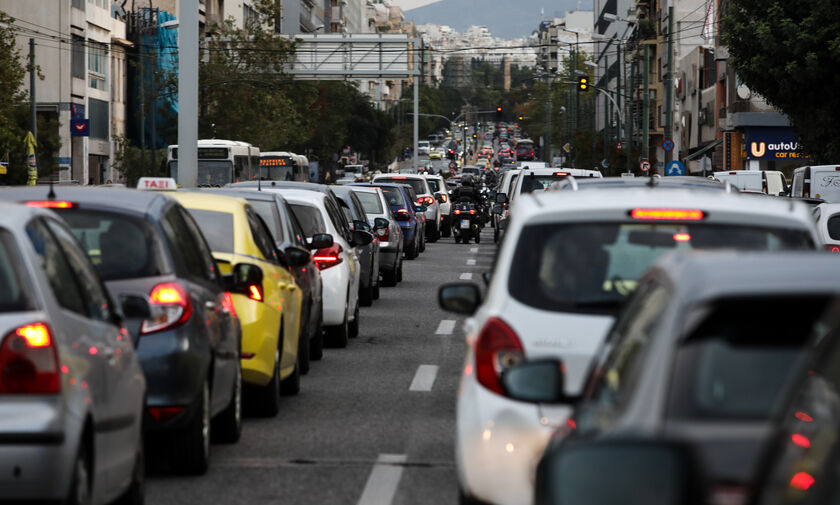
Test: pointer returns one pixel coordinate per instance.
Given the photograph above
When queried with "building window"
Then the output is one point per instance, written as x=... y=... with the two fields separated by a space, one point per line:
x=99 y=115
x=77 y=58
x=248 y=14
x=79 y=4
x=98 y=65
x=99 y=3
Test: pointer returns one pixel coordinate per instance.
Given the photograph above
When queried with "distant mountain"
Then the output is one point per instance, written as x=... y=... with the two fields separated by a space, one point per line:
x=504 y=18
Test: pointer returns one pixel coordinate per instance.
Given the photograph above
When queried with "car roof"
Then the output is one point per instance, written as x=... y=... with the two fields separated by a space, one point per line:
x=640 y=182
x=704 y=275
x=311 y=186
x=300 y=194
x=248 y=194
x=18 y=214
x=398 y=177
x=204 y=200
x=130 y=200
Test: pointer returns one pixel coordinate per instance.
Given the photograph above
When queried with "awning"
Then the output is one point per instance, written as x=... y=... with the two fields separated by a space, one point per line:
x=703 y=150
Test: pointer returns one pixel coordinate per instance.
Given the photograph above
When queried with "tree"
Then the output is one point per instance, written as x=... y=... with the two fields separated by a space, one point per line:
x=12 y=73
x=788 y=52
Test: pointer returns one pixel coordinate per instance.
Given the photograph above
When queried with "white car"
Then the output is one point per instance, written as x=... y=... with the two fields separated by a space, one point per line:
x=425 y=196
x=441 y=191
x=339 y=264
x=827 y=216
x=423 y=147
x=540 y=179
x=568 y=261
x=771 y=182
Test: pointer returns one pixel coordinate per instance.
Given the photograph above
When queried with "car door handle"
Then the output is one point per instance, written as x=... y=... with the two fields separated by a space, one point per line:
x=210 y=305
x=290 y=287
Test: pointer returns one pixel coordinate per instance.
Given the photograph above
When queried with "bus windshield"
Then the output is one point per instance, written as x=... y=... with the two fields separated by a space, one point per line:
x=277 y=168
x=210 y=173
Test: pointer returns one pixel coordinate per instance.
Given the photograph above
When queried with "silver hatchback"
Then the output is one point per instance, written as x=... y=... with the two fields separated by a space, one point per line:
x=71 y=388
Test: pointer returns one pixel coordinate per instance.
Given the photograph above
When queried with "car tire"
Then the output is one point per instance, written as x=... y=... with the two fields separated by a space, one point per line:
x=457 y=239
x=366 y=296
x=303 y=351
x=190 y=449
x=496 y=234
x=227 y=426
x=422 y=246
x=290 y=386
x=267 y=398
x=339 y=335
x=376 y=292
x=354 y=325
x=478 y=238
x=80 y=487
x=411 y=251
x=400 y=272
x=136 y=492
x=389 y=278
x=316 y=341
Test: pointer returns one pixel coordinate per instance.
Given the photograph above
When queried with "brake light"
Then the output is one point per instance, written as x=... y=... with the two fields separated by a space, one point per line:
x=399 y=178
x=444 y=198
x=170 y=306
x=802 y=481
x=425 y=199
x=28 y=361
x=800 y=440
x=227 y=304
x=329 y=257
x=163 y=414
x=682 y=237
x=404 y=211
x=472 y=211
x=51 y=204
x=496 y=348
x=561 y=174
x=832 y=248
x=668 y=214
x=457 y=211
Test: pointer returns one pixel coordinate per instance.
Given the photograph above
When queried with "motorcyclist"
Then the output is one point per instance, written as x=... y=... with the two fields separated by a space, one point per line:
x=466 y=192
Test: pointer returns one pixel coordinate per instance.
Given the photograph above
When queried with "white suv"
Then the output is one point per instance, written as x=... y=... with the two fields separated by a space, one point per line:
x=568 y=261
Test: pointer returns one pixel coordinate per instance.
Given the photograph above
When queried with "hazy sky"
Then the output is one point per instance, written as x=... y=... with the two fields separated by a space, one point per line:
x=412 y=4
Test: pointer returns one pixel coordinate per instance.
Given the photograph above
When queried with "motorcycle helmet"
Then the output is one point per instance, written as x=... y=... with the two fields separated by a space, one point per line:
x=466 y=180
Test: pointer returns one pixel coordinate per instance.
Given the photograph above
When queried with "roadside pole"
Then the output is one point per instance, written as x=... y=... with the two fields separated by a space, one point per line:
x=188 y=94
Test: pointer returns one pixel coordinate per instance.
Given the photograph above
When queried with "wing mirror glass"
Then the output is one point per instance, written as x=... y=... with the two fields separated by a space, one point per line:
x=135 y=307
x=539 y=381
x=380 y=223
x=321 y=241
x=459 y=297
x=297 y=257
x=361 y=238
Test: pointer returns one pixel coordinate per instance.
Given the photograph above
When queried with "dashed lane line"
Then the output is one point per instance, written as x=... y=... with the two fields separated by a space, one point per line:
x=381 y=486
x=446 y=327
x=470 y=262
x=424 y=378
x=466 y=277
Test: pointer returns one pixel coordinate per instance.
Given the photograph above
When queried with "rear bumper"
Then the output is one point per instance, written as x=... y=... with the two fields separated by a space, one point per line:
x=335 y=281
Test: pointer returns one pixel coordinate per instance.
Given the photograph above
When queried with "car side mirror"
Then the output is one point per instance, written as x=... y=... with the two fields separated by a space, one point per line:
x=540 y=381
x=361 y=225
x=321 y=241
x=361 y=238
x=439 y=198
x=459 y=297
x=380 y=223
x=135 y=307
x=402 y=216
x=639 y=472
x=297 y=257
x=246 y=279
x=501 y=198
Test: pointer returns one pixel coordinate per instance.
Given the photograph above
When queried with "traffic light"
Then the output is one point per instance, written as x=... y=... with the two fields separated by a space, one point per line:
x=498 y=109
x=521 y=118
x=583 y=83
x=475 y=136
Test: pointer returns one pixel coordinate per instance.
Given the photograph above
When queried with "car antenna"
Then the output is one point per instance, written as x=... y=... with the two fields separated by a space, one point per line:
x=652 y=182
x=51 y=194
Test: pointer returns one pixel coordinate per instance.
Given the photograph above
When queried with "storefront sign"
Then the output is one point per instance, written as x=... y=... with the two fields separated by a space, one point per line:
x=766 y=143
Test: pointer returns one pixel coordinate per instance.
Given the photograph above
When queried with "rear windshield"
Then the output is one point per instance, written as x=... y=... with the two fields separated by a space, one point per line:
x=217 y=228
x=394 y=197
x=532 y=183
x=267 y=211
x=434 y=184
x=310 y=219
x=370 y=202
x=834 y=227
x=119 y=246
x=13 y=295
x=734 y=366
x=417 y=185
x=595 y=266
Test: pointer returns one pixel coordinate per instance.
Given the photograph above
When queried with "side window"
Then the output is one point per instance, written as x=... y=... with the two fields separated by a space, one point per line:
x=261 y=235
x=334 y=201
x=64 y=285
x=347 y=212
x=209 y=269
x=296 y=228
x=95 y=298
x=333 y=214
x=631 y=340
x=182 y=240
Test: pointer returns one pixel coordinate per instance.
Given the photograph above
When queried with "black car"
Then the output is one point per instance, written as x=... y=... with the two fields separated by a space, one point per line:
x=287 y=232
x=369 y=254
x=146 y=245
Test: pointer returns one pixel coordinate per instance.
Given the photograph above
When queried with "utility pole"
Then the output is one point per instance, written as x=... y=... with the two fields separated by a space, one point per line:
x=618 y=96
x=188 y=94
x=33 y=118
x=669 y=85
x=631 y=120
x=646 y=107
x=571 y=109
x=548 y=112
x=606 y=104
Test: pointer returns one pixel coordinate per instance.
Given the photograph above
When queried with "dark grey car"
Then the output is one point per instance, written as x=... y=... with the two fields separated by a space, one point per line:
x=369 y=254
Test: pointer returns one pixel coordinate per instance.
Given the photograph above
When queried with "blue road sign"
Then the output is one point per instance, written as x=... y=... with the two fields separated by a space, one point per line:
x=675 y=168
x=668 y=145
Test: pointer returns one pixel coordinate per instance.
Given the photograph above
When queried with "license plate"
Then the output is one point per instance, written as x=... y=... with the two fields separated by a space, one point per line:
x=465 y=224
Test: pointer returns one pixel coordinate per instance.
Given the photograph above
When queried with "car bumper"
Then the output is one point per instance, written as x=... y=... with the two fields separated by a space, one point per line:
x=491 y=428
x=335 y=289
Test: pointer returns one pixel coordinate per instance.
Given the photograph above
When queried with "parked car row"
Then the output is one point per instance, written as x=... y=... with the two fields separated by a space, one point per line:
x=140 y=325
x=634 y=342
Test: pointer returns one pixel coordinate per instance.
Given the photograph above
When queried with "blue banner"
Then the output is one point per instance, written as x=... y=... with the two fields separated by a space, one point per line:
x=768 y=143
x=79 y=127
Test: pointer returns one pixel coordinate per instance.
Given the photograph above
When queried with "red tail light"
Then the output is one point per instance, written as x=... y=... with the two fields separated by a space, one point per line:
x=51 y=204
x=28 y=362
x=802 y=481
x=682 y=237
x=329 y=257
x=170 y=306
x=227 y=304
x=457 y=211
x=668 y=214
x=472 y=211
x=444 y=198
x=497 y=348
x=832 y=248
x=163 y=414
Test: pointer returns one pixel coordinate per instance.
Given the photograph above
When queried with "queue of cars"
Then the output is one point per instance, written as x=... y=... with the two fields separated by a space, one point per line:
x=140 y=325
x=635 y=340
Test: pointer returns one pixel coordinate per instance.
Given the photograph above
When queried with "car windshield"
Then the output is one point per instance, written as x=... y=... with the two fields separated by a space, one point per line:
x=434 y=184
x=595 y=266
x=119 y=246
x=394 y=197
x=217 y=228
x=417 y=185
x=310 y=219
x=13 y=295
x=370 y=202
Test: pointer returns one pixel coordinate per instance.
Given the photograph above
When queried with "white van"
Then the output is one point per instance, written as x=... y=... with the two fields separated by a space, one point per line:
x=423 y=147
x=821 y=181
x=771 y=182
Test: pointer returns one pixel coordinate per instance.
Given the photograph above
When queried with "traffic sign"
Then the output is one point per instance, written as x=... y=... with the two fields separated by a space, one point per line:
x=668 y=145
x=605 y=164
x=675 y=168
x=567 y=147
x=644 y=166
x=619 y=146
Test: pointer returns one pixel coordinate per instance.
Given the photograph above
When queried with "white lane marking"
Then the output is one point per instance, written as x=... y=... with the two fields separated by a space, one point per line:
x=473 y=249
x=470 y=262
x=446 y=326
x=466 y=277
x=381 y=486
x=424 y=379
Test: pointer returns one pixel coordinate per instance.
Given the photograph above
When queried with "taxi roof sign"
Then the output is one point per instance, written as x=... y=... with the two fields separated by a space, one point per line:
x=157 y=184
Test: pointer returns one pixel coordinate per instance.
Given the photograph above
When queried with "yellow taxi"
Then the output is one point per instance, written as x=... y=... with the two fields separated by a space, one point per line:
x=435 y=155
x=265 y=296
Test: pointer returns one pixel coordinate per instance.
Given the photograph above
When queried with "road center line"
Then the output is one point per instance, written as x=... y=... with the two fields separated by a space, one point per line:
x=466 y=277
x=446 y=326
x=473 y=249
x=382 y=484
x=424 y=379
x=470 y=262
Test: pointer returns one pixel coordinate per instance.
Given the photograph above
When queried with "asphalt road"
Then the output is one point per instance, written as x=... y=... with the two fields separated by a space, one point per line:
x=374 y=423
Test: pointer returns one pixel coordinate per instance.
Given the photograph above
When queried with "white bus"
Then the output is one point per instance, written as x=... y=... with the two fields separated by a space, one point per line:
x=284 y=166
x=220 y=162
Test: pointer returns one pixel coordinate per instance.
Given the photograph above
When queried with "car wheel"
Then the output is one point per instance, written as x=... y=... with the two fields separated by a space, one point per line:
x=422 y=246
x=80 y=485
x=227 y=426
x=267 y=397
x=376 y=291
x=495 y=234
x=389 y=278
x=290 y=386
x=457 y=239
x=436 y=235
x=316 y=342
x=338 y=335
x=411 y=251
x=446 y=231
x=478 y=237
x=303 y=350
x=400 y=272
x=354 y=325
x=366 y=296
x=190 y=449
x=136 y=492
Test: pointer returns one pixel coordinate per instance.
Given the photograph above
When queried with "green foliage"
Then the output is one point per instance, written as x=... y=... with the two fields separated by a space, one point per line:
x=135 y=163
x=788 y=52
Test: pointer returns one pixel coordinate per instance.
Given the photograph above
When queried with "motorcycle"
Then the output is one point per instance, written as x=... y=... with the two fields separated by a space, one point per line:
x=465 y=223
